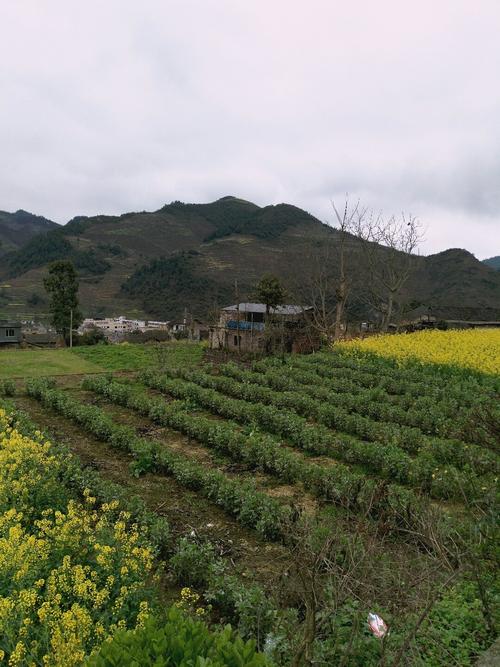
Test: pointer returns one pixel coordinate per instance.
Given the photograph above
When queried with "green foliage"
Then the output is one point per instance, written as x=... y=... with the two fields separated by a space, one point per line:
x=192 y=563
x=270 y=291
x=167 y=285
x=247 y=606
x=179 y=641
x=251 y=507
x=454 y=632
x=92 y=337
x=38 y=251
x=61 y=284
x=134 y=357
x=7 y=388
x=50 y=247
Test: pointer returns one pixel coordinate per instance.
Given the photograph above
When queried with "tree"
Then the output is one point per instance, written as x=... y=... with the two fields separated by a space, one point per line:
x=327 y=281
x=389 y=247
x=62 y=287
x=270 y=291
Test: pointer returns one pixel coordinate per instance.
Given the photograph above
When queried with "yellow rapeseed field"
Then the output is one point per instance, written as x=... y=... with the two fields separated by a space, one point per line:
x=71 y=574
x=478 y=349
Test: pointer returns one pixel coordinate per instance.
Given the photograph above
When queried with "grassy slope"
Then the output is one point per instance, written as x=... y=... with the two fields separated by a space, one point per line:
x=97 y=359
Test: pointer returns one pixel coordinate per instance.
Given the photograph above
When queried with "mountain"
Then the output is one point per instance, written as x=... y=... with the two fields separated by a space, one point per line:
x=18 y=228
x=457 y=286
x=193 y=255
x=494 y=262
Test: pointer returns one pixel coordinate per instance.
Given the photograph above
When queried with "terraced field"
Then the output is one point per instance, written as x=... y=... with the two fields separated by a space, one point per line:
x=303 y=493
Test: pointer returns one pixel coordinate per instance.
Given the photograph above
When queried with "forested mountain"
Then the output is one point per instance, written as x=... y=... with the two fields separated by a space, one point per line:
x=18 y=228
x=192 y=255
x=494 y=262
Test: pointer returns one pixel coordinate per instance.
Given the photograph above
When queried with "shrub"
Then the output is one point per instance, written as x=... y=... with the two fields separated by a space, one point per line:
x=180 y=641
x=192 y=564
x=7 y=388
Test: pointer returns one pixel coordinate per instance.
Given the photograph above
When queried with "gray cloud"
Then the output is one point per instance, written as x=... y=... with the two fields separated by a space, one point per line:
x=108 y=107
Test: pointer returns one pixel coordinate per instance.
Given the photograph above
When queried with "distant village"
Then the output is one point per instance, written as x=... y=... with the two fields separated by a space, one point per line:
x=242 y=327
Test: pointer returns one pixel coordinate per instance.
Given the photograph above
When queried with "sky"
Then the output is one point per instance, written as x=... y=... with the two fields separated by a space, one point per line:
x=119 y=105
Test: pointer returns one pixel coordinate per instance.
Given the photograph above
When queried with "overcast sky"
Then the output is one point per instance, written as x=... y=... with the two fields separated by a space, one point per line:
x=109 y=106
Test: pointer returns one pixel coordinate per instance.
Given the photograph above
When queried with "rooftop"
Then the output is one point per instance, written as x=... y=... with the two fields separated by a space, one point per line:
x=289 y=309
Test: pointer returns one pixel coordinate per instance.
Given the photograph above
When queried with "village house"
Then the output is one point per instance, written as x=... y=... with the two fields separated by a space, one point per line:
x=10 y=333
x=247 y=328
x=116 y=328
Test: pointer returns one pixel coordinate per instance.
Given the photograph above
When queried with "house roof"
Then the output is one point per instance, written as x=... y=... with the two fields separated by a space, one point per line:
x=261 y=308
x=8 y=323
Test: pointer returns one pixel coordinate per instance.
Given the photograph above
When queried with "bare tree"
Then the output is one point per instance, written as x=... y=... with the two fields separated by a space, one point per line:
x=348 y=220
x=328 y=281
x=389 y=247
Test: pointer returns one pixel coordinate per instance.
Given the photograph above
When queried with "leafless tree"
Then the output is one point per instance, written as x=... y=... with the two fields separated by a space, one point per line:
x=389 y=251
x=328 y=281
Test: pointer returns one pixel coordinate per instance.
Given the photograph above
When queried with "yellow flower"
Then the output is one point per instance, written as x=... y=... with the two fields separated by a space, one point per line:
x=469 y=348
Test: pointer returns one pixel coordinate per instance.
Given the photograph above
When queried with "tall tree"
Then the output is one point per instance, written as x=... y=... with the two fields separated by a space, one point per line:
x=327 y=280
x=270 y=291
x=61 y=284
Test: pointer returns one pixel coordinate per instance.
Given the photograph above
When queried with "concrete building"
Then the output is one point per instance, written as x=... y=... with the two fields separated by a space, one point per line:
x=246 y=327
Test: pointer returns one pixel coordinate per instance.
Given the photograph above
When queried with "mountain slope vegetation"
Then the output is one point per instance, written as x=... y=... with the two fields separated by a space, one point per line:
x=494 y=262
x=18 y=228
x=192 y=256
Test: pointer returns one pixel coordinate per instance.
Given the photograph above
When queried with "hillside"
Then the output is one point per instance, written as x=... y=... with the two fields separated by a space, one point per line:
x=18 y=228
x=190 y=256
x=494 y=262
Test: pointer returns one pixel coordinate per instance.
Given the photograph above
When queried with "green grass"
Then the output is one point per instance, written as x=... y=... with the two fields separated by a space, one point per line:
x=37 y=363
x=95 y=359
x=134 y=357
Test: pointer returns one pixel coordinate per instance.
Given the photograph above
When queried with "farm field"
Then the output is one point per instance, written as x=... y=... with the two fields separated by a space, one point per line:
x=288 y=497
x=16 y=363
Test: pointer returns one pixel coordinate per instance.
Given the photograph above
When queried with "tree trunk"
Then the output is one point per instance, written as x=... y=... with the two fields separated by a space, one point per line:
x=388 y=314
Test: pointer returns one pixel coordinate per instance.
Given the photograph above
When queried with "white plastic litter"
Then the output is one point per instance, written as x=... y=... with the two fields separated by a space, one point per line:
x=377 y=625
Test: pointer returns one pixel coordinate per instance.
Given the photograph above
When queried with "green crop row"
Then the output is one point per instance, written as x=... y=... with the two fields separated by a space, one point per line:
x=393 y=384
x=463 y=380
x=423 y=413
x=401 y=508
x=299 y=371
x=321 y=404
x=251 y=507
x=389 y=459
x=336 y=483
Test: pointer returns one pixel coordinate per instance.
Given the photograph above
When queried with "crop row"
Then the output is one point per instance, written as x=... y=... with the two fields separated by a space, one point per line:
x=401 y=508
x=321 y=405
x=393 y=384
x=241 y=602
x=260 y=450
x=389 y=460
x=302 y=373
x=465 y=381
x=424 y=413
x=251 y=507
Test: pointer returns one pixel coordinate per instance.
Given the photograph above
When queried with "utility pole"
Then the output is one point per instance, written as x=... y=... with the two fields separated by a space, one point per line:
x=237 y=294
x=71 y=328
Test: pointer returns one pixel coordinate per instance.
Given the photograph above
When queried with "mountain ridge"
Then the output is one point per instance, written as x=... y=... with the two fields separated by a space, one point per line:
x=19 y=227
x=187 y=255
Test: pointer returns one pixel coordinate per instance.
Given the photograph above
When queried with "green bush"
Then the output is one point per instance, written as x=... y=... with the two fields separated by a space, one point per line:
x=192 y=564
x=180 y=642
x=7 y=388
x=455 y=629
